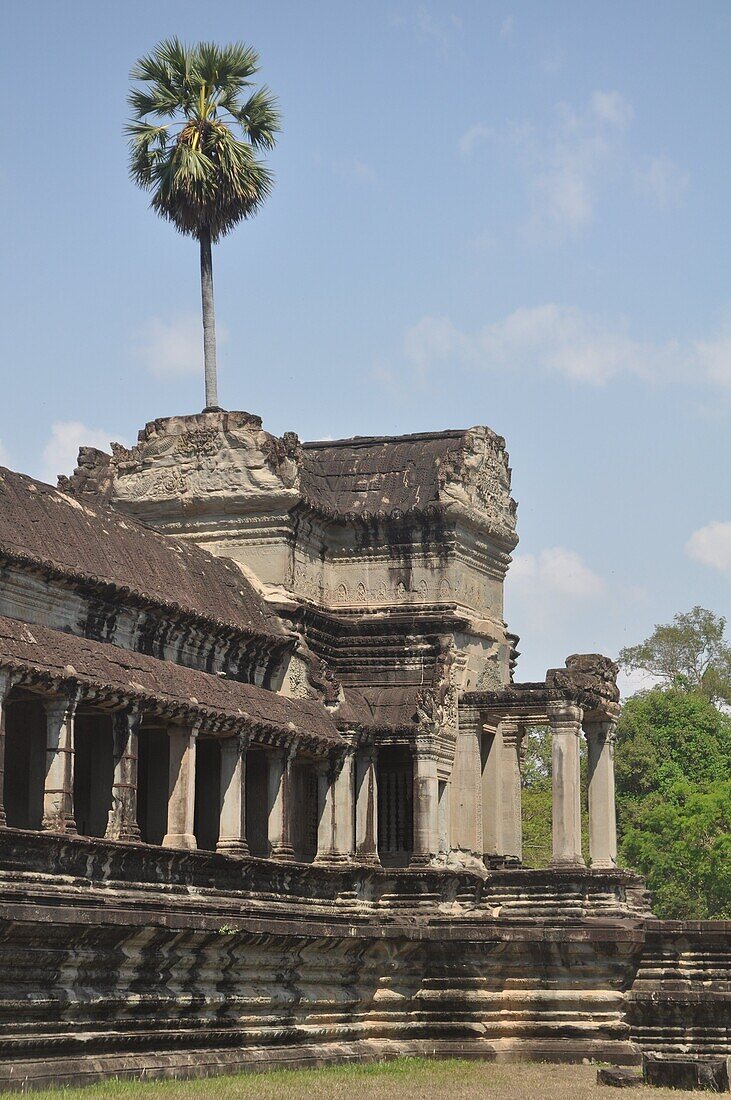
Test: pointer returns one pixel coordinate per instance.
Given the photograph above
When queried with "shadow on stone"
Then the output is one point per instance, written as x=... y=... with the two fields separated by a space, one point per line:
x=621 y=1077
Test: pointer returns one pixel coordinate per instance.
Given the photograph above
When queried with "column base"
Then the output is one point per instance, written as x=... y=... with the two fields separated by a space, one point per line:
x=603 y=865
x=568 y=863
x=284 y=853
x=129 y=835
x=367 y=859
x=423 y=861
x=233 y=848
x=64 y=825
x=333 y=857
x=186 y=841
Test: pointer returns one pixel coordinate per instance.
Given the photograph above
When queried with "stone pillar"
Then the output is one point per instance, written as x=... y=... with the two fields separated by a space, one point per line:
x=325 y=811
x=565 y=720
x=366 y=805
x=511 y=737
x=122 y=822
x=58 y=790
x=602 y=814
x=492 y=797
x=344 y=806
x=280 y=809
x=181 y=789
x=6 y=683
x=426 y=805
x=232 y=828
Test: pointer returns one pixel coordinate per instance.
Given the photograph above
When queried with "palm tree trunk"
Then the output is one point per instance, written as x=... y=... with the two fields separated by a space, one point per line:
x=209 y=320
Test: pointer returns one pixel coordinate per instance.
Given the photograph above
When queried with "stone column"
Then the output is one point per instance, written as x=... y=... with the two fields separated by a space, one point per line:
x=344 y=806
x=565 y=720
x=122 y=822
x=181 y=789
x=325 y=811
x=58 y=790
x=511 y=736
x=492 y=798
x=366 y=805
x=280 y=809
x=232 y=827
x=6 y=683
x=426 y=805
x=600 y=738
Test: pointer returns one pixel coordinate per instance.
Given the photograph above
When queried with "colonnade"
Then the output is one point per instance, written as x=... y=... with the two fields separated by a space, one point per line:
x=347 y=789
x=501 y=789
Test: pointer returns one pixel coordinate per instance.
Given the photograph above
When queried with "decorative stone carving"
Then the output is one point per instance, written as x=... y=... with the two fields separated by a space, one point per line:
x=477 y=477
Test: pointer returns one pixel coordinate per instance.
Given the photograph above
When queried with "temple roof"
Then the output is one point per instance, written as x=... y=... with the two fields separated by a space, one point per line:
x=58 y=661
x=94 y=544
x=371 y=475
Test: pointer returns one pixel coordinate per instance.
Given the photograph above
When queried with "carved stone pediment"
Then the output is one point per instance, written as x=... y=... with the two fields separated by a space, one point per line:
x=476 y=477
x=211 y=458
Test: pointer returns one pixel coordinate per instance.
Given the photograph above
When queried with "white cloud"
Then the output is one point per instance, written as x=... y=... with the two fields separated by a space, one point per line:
x=631 y=682
x=553 y=600
x=552 y=338
x=662 y=180
x=714 y=357
x=173 y=348
x=556 y=571
x=611 y=108
x=506 y=27
x=356 y=169
x=61 y=451
x=711 y=545
x=569 y=163
x=472 y=137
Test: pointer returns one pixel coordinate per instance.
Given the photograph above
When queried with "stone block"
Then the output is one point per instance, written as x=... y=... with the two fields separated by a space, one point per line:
x=707 y=1074
x=621 y=1077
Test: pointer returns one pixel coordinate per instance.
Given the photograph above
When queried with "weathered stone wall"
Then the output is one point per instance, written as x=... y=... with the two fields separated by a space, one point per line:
x=120 y=958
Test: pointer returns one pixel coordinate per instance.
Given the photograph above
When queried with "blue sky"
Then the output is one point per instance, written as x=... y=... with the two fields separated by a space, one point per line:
x=504 y=213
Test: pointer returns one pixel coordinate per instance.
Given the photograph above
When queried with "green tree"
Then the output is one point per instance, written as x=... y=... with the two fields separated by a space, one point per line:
x=196 y=129
x=689 y=652
x=666 y=737
x=682 y=846
x=672 y=762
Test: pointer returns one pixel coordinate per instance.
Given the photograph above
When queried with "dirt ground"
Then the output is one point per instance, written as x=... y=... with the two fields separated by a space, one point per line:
x=404 y=1078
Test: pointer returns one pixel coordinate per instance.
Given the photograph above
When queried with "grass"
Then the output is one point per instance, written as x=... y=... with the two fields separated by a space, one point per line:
x=402 y=1078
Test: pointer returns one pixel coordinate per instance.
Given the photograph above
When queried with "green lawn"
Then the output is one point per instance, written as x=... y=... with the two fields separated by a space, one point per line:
x=405 y=1077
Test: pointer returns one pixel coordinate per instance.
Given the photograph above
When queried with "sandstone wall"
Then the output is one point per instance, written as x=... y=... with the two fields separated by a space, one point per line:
x=116 y=959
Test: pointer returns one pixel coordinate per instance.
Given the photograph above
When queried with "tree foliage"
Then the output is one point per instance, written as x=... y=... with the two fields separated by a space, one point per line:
x=682 y=845
x=673 y=763
x=690 y=652
x=197 y=128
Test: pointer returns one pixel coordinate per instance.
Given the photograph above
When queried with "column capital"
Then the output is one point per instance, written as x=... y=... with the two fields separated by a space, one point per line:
x=425 y=748
x=564 y=716
x=604 y=728
x=60 y=707
x=512 y=730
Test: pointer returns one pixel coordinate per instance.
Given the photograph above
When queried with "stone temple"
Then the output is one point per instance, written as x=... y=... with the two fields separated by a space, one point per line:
x=261 y=804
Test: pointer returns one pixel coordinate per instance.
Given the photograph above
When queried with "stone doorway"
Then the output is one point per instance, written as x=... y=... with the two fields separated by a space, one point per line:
x=25 y=763
x=395 y=805
x=93 y=773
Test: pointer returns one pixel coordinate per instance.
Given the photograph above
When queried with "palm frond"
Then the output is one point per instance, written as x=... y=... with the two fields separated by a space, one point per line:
x=259 y=118
x=204 y=176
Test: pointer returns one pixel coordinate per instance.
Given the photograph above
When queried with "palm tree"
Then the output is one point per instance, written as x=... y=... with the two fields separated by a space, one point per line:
x=193 y=140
